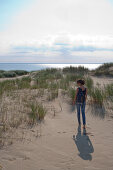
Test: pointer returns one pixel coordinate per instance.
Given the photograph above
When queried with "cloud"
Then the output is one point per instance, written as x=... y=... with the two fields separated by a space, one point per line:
x=60 y=29
x=62 y=47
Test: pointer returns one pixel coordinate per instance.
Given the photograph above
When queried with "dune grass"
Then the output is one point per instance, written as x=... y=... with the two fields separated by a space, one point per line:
x=97 y=96
x=38 y=112
x=11 y=85
x=74 y=77
x=72 y=93
x=109 y=92
x=104 y=70
x=53 y=94
x=21 y=103
x=89 y=84
x=23 y=83
x=7 y=85
x=75 y=70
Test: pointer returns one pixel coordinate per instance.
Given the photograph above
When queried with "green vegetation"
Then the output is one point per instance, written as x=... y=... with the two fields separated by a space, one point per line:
x=38 y=112
x=72 y=93
x=52 y=95
x=109 y=91
x=73 y=77
x=97 y=96
x=105 y=66
x=104 y=70
x=20 y=72
x=41 y=111
x=10 y=85
x=10 y=74
x=75 y=70
x=20 y=99
x=23 y=83
x=6 y=86
x=89 y=84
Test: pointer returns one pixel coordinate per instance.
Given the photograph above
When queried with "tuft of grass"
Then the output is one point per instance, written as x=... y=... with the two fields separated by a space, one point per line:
x=33 y=115
x=72 y=93
x=42 y=83
x=109 y=91
x=89 y=84
x=53 y=94
x=53 y=85
x=41 y=112
x=73 y=77
x=97 y=96
x=38 y=112
x=23 y=83
x=64 y=84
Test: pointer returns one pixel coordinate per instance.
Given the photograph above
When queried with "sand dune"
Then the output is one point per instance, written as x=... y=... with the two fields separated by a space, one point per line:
x=62 y=145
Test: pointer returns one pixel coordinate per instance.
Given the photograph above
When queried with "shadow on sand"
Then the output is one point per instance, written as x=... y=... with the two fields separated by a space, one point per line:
x=83 y=144
x=97 y=111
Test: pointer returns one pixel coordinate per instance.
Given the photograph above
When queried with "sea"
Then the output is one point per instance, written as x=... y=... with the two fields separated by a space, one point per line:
x=40 y=66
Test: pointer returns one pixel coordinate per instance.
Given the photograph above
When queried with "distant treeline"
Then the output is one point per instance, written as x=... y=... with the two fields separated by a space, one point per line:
x=14 y=73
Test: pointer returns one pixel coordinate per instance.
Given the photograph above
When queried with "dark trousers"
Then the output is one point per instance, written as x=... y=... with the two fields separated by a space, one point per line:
x=81 y=107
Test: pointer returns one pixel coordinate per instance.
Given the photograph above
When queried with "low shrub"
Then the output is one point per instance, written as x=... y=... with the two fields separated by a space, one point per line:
x=9 y=74
x=20 y=72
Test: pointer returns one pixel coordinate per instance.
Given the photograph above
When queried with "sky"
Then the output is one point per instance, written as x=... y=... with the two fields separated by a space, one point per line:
x=56 y=31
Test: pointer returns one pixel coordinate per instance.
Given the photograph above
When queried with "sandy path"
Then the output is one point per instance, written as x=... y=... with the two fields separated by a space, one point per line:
x=102 y=80
x=56 y=150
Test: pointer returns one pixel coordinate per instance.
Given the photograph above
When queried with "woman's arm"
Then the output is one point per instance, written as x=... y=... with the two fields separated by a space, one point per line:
x=75 y=96
x=86 y=95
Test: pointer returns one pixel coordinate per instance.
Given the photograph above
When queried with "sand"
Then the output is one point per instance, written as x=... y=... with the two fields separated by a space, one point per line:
x=61 y=145
x=102 y=80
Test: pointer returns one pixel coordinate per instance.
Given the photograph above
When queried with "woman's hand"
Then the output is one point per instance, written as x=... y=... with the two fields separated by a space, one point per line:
x=73 y=102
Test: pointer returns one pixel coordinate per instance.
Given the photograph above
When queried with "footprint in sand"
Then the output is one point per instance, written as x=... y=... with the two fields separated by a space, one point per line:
x=109 y=120
x=23 y=157
x=9 y=158
x=61 y=132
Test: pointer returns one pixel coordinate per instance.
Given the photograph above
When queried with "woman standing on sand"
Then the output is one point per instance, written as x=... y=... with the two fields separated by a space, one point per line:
x=80 y=99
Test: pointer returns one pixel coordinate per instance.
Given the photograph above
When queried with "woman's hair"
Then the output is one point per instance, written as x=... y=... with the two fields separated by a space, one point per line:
x=81 y=82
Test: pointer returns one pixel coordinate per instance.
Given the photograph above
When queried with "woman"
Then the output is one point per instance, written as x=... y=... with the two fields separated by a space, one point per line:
x=80 y=99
